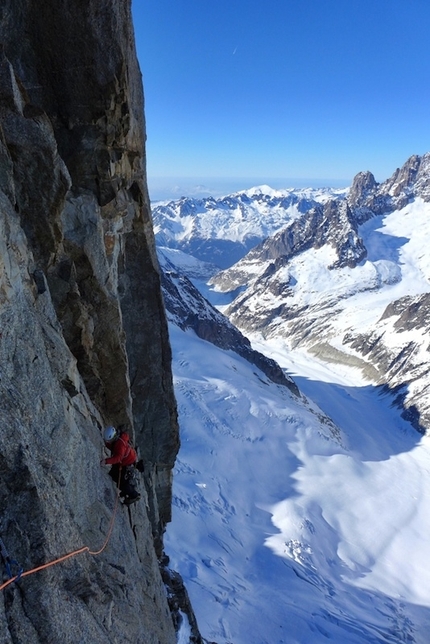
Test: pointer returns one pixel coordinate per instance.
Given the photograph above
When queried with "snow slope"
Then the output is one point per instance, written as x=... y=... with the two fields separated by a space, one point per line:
x=375 y=312
x=397 y=264
x=285 y=528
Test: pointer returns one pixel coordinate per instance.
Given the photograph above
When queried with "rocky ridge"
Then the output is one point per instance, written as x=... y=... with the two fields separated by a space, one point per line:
x=331 y=223
x=83 y=331
x=278 y=295
x=221 y=231
x=188 y=309
x=368 y=198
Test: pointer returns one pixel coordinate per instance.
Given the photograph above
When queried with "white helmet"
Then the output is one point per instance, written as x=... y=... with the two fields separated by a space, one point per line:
x=110 y=434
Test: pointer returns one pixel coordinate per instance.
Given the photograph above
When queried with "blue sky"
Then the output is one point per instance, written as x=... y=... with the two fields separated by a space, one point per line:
x=244 y=92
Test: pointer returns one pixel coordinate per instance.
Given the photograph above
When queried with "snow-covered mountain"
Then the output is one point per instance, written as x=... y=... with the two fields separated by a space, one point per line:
x=189 y=310
x=350 y=281
x=301 y=516
x=289 y=527
x=221 y=231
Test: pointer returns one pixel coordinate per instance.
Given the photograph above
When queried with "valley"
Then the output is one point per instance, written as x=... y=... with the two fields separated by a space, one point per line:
x=306 y=506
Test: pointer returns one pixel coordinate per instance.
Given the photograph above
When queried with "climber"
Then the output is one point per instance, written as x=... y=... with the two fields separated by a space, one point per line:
x=123 y=461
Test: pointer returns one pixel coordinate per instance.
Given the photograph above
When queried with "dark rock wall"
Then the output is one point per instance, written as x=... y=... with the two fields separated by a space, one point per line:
x=83 y=331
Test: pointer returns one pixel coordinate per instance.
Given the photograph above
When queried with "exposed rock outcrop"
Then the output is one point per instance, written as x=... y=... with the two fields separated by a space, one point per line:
x=83 y=333
x=188 y=309
x=221 y=231
x=403 y=365
x=299 y=284
x=332 y=223
x=368 y=198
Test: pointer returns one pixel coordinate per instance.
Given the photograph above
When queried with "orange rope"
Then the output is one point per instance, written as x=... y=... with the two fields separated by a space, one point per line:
x=112 y=521
x=75 y=552
x=47 y=565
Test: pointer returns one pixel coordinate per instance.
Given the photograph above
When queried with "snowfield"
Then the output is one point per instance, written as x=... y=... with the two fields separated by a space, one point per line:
x=397 y=264
x=306 y=520
x=290 y=528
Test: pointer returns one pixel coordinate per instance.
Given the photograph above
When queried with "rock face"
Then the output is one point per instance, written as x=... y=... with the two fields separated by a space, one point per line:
x=332 y=224
x=83 y=333
x=368 y=198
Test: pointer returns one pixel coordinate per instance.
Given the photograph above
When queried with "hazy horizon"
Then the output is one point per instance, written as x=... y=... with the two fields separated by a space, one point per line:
x=172 y=188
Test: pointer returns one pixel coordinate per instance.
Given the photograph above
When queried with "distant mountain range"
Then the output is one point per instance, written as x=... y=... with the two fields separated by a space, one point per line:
x=221 y=231
x=343 y=273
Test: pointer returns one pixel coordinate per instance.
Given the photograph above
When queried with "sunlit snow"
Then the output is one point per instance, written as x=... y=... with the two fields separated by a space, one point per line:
x=284 y=530
x=234 y=217
x=307 y=520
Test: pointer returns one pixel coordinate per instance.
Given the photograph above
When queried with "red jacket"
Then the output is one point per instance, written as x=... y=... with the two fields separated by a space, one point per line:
x=122 y=452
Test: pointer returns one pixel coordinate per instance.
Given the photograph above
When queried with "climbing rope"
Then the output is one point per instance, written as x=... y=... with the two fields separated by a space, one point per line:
x=8 y=561
x=112 y=521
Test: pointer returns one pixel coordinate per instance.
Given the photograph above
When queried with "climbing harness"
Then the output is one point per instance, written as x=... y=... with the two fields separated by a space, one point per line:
x=11 y=562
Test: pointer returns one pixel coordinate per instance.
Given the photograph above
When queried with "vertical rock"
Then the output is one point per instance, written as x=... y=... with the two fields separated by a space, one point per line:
x=84 y=337
x=91 y=231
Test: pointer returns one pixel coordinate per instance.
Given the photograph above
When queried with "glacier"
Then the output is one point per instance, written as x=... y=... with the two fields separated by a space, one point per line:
x=300 y=519
x=297 y=520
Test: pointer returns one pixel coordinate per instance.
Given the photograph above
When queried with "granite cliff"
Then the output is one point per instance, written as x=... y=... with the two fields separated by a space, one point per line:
x=83 y=332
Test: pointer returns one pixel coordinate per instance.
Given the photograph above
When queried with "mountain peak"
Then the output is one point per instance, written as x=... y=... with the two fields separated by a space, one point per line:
x=362 y=184
x=412 y=179
x=222 y=230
